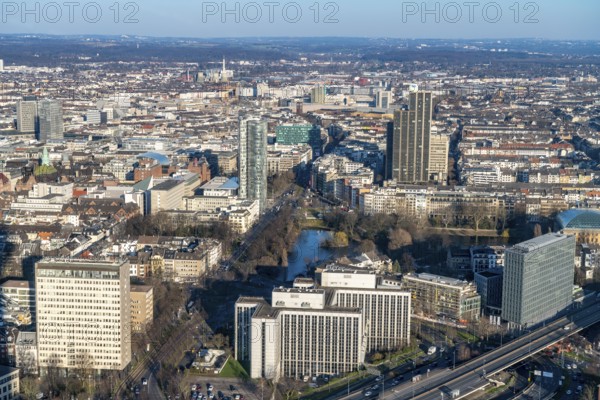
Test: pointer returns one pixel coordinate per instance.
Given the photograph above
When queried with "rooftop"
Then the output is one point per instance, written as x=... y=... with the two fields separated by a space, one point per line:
x=540 y=241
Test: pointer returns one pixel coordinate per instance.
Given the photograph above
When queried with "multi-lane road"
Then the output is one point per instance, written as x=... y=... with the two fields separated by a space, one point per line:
x=472 y=376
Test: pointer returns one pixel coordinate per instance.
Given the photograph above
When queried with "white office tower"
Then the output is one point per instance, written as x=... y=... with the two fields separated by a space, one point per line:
x=328 y=330
x=1 y=65
x=83 y=314
x=27 y=115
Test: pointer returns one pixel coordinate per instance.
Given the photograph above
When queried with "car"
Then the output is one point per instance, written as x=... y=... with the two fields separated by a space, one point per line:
x=144 y=381
x=211 y=396
x=379 y=378
x=368 y=394
x=569 y=392
x=237 y=396
x=194 y=387
x=137 y=390
x=231 y=387
x=395 y=382
x=210 y=387
x=220 y=394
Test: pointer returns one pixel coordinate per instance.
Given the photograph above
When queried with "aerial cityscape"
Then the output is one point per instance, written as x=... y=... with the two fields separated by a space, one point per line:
x=281 y=216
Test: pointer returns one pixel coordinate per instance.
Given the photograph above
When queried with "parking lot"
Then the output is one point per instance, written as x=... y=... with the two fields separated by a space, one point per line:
x=223 y=385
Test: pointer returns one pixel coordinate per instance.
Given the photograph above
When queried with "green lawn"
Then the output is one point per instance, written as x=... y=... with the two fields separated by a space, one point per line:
x=233 y=369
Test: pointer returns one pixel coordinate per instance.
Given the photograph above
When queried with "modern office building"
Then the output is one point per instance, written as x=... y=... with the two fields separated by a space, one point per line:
x=439 y=145
x=328 y=330
x=384 y=99
x=408 y=140
x=27 y=115
x=299 y=335
x=1 y=65
x=83 y=314
x=51 y=120
x=289 y=134
x=538 y=279
x=253 y=161
x=442 y=297
x=386 y=309
x=318 y=94
x=489 y=287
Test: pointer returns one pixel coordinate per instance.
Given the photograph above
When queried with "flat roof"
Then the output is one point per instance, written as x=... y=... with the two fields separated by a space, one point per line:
x=167 y=185
x=540 y=241
x=140 y=288
x=13 y=283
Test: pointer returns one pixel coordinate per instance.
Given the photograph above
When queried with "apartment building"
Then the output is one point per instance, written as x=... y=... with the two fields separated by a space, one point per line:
x=442 y=297
x=142 y=307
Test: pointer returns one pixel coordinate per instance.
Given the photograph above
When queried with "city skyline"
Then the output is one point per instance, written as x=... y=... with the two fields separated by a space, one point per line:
x=395 y=20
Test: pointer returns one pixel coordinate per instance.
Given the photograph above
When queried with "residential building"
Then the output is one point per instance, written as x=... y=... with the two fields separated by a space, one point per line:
x=9 y=383
x=83 y=314
x=142 y=307
x=538 y=279
x=442 y=297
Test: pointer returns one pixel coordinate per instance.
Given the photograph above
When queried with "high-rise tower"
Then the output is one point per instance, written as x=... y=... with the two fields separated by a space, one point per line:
x=408 y=140
x=253 y=160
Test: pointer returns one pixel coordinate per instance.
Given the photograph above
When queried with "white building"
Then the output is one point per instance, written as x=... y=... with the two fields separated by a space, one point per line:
x=329 y=330
x=83 y=313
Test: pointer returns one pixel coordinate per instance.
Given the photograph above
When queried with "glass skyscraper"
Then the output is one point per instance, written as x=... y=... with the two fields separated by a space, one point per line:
x=51 y=120
x=253 y=160
x=538 y=279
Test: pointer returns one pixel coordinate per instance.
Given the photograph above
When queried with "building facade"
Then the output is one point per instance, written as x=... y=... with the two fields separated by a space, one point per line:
x=253 y=161
x=142 y=307
x=84 y=314
x=51 y=120
x=408 y=141
x=538 y=279
x=443 y=297
x=27 y=116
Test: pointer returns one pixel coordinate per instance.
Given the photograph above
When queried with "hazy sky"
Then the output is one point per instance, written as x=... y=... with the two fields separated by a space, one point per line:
x=552 y=19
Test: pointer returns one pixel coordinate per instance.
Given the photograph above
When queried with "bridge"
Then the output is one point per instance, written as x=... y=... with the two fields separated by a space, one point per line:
x=473 y=375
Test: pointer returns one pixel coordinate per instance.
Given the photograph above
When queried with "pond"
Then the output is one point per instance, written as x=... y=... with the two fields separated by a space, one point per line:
x=308 y=250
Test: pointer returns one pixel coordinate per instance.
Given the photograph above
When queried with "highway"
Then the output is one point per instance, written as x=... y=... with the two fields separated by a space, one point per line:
x=471 y=376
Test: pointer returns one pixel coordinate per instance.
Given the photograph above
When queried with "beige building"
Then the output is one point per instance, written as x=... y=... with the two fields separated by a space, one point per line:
x=83 y=314
x=438 y=158
x=142 y=307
